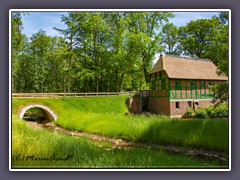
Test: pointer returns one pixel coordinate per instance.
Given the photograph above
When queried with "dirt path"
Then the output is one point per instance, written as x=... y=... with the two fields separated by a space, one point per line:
x=123 y=143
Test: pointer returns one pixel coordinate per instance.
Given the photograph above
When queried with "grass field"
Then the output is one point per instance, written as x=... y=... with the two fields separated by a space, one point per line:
x=105 y=115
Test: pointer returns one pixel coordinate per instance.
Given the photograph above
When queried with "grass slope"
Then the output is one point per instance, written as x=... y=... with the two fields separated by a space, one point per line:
x=33 y=148
x=105 y=115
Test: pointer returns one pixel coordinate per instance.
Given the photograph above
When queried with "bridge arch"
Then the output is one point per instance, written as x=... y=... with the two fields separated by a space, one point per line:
x=47 y=112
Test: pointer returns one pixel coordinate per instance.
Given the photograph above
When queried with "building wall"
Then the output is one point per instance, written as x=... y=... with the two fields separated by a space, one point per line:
x=184 y=105
x=168 y=108
x=159 y=105
x=191 y=89
x=134 y=105
x=173 y=97
x=161 y=86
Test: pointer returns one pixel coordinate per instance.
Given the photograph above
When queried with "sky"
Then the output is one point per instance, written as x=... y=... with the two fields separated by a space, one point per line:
x=34 y=21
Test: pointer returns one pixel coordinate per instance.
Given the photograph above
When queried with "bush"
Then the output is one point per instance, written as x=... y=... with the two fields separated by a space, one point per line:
x=201 y=113
x=189 y=113
x=221 y=111
x=210 y=110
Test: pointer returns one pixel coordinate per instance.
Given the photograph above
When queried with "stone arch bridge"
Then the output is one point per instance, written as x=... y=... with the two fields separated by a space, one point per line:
x=47 y=112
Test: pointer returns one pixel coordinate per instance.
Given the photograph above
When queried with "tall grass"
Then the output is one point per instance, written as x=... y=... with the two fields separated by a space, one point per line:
x=105 y=115
x=83 y=153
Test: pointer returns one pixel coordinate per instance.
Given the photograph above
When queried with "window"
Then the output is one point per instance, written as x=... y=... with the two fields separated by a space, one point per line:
x=160 y=75
x=193 y=85
x=163 y=84
x=177 y=85
x=155 y=76
x=210 y=83
x=189 y=104
x=195 y=105
x=202 y=84
x=177 y=105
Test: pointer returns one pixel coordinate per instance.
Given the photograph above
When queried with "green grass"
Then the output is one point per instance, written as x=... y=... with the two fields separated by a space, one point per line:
x=41 y=143
x=105 y=115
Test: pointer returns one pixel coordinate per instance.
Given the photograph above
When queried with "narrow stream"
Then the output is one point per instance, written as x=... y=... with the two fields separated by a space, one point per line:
x=41 y=122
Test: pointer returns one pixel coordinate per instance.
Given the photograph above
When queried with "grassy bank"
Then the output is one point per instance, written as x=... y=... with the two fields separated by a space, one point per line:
x=105 y=115
x=35 y=148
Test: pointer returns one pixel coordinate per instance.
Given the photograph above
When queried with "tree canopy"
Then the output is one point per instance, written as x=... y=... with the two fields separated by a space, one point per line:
x=104 y=52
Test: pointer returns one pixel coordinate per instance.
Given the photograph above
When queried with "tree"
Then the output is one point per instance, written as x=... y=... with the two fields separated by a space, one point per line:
x=170 y=39
x=17 y=39
x=223 y=17
x=197 y=35
x=39 y=46
x=146 y=26
x=221 y=53
x=70 y=36
x=208 y=38
x=98 y=52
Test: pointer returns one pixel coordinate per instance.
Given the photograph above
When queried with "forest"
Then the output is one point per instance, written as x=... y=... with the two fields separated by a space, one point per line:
x=111 y=52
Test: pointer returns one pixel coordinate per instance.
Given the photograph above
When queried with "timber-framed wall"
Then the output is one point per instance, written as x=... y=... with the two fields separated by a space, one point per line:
x=172 y=96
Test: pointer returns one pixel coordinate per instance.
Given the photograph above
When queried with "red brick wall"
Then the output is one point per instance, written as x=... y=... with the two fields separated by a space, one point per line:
x=163 y=105
x=134 y=105
x=159 y=105
x=184 y=106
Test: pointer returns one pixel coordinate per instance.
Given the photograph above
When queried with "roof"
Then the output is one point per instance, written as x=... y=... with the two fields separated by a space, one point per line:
x=186 y=68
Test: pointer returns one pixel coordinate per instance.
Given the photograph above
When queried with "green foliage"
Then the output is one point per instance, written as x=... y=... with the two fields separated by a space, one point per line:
x=213 y=111
x=221 y=93
x=189 y=113
x=197 y=35
x=170 y=40
x=99 y=52
x=201 y=113
x=220 y=111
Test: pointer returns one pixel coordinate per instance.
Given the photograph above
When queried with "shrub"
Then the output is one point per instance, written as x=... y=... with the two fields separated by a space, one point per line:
x=201 y=113
x=210 y=110
x=189 y=113
x=221 y=111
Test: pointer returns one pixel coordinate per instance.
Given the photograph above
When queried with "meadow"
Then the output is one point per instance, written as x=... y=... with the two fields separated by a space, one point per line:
x=107 y=116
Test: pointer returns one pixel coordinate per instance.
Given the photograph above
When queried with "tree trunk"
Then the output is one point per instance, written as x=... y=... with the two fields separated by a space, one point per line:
x=97 y=83
x=121 y=81
x=145 y=70
x=69 y=68
x=108 y=86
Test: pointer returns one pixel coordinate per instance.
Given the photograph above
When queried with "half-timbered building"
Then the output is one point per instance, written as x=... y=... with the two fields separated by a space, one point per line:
x=178 y=83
